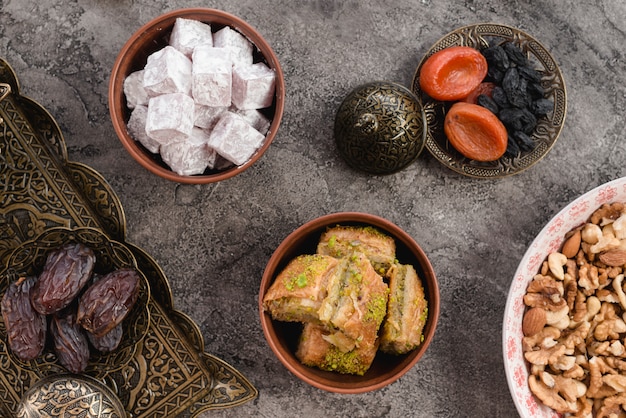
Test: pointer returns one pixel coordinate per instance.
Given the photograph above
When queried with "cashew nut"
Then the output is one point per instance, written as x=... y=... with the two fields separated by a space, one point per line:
x=556 y=261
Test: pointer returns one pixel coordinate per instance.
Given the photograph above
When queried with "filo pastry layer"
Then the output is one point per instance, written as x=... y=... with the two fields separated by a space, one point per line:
x=341 y=241
x=407 y=311
x=315 y=350
x=298 y=291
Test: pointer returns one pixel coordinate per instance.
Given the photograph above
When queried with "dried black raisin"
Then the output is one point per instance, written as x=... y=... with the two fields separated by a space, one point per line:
x=488 y=103
x=529 y=73
x=499 y=96
x=512 y=149
x=515 y=54
x=496 y=57
x=524 y=141
x=541 y=107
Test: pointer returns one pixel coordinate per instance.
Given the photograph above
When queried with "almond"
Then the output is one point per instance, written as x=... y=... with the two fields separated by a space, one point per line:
x=613 y=258
x=534 y=321
x=572 y=245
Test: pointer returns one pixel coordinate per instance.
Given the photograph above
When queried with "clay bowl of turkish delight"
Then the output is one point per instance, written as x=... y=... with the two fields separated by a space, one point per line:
x=563 y=330
x=196 y=95
x=72 y=300
x=349 y=302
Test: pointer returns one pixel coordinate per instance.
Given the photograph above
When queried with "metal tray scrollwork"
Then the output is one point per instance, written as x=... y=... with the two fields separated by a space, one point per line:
x=548 y=128
x=164 y=372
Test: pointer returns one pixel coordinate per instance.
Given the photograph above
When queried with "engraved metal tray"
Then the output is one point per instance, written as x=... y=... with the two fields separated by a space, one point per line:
x=168 y=374
x=548 y=128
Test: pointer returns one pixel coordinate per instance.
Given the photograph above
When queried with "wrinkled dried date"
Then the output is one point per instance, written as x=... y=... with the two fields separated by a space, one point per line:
x=66 y=271
x=109 y=341
x=70 y=342
x=106 y=303
x=26 y=328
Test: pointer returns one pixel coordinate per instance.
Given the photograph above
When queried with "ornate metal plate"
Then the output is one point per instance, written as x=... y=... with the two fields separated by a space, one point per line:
x=28 y=259
x=548 y=128
x=168 y=373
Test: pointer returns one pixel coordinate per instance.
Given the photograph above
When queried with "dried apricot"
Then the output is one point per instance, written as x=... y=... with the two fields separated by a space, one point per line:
x=452 y=73
x=483 y=88
x=475 y=132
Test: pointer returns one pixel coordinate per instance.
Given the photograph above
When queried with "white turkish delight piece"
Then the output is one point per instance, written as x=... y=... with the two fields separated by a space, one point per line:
x=253 y=86
x=167 y=71
x=239 y=46
x=234 y=139
x=206 y=116
x=188 y=34
x=137 y=129
x=170 y=118
x=211 y=76
x=191 y=156
x=134 y=91
x=255 y=118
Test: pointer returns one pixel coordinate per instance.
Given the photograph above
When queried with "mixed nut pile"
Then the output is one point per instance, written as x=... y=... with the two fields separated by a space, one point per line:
x=574 y=326
x=81 y=307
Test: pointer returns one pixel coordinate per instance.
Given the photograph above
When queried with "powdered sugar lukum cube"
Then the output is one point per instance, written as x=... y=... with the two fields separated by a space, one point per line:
x=167 y=71
x=170 y=118
x=191 y=156
x=188 y=34
x=254 y=118
x=137 y=129
x=206 y=116
x=234 y=139
x=239 y=46
x=211 y=76
x=133 y=89
x=253 y=86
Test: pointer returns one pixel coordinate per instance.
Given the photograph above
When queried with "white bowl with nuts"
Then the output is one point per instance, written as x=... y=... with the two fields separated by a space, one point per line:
x=564 y=330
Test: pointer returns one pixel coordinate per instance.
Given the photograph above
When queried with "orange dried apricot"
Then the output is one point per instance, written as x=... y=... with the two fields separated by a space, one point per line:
x=452 y=73
x=475 y=132
x=483 y=88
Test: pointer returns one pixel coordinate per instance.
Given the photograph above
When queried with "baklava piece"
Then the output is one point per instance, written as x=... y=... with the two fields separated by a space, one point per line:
x=341 y=241
x=407 y=311
x=298 y=291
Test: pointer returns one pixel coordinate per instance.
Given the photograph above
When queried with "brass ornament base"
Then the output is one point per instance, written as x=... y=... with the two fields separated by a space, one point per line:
x=164 y=372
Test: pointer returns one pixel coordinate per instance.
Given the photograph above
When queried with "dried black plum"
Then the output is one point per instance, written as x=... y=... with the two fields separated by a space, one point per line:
x=499 y=96
x=541 y=107
x=515 y=54
x=524 y=141
x=512 y=149
x=496 y=57
x=488 y=103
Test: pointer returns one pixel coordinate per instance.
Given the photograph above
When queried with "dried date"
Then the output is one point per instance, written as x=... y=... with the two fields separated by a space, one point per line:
x=109 y=341
x=65 y=273
x=26 y=328
x=106 y=303
x=70 y=342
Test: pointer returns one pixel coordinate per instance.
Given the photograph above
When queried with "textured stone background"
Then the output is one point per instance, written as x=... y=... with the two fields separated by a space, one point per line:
x=213 y=241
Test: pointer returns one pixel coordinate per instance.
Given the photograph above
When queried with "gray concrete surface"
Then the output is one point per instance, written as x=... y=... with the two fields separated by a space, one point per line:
x=213 y=241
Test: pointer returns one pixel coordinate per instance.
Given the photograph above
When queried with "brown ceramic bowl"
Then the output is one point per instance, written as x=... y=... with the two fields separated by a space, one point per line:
x=152 y=37
x=282 y=337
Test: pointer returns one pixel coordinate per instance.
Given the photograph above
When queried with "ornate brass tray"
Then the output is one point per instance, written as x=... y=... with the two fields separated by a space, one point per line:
x=167 y=374
x=548 y=129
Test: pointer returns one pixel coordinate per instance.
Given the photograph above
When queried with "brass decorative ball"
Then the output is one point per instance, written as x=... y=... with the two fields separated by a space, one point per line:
x=69 y=396
x=380 y=128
